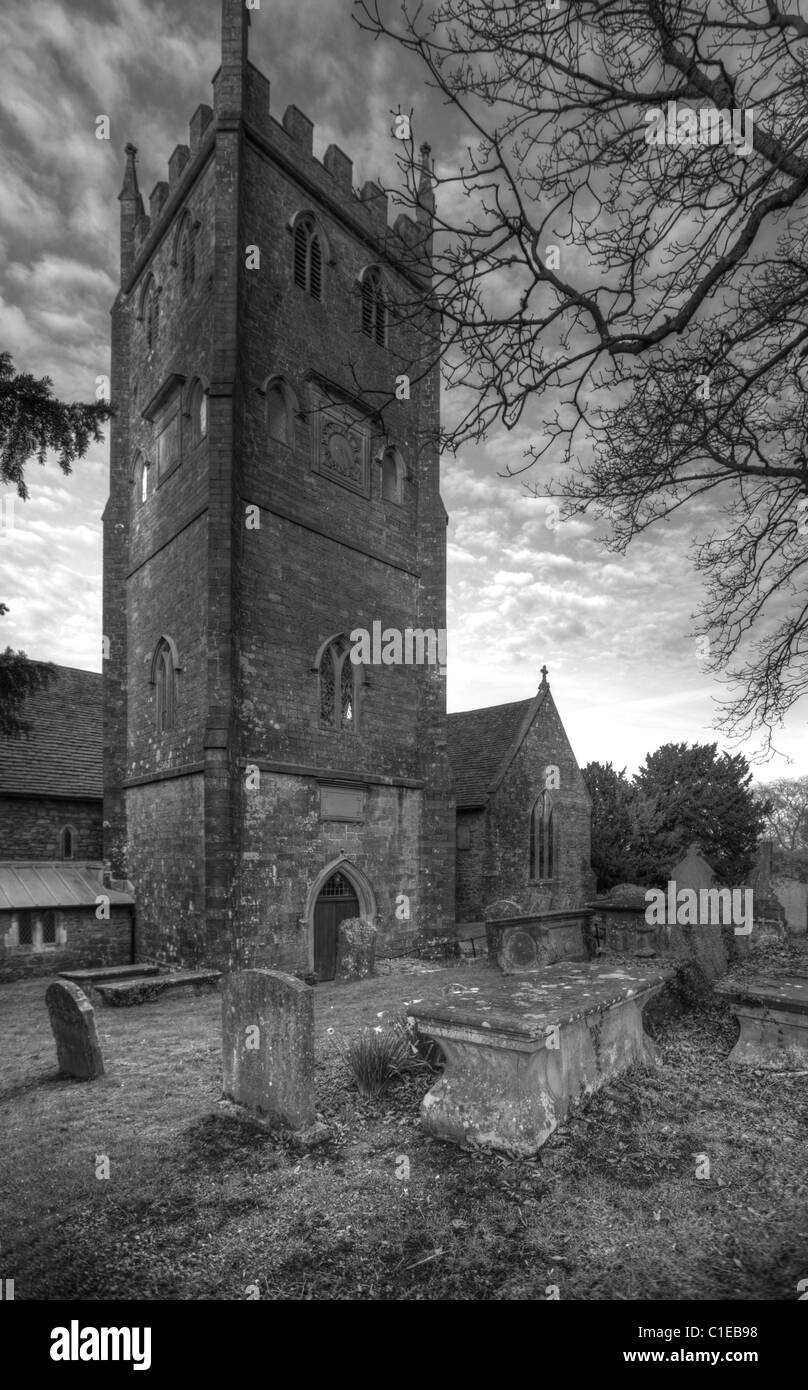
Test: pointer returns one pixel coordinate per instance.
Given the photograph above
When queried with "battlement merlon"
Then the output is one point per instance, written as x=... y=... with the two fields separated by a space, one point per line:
x=241 y=100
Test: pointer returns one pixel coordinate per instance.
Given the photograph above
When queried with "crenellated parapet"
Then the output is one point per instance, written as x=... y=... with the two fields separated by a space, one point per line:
x=241 y=99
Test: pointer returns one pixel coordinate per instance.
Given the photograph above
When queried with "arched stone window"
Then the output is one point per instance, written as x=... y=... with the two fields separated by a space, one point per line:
x=543 y=838
x=308 y=257
x=144 y=479
x=148 y=311
x=281 y=410
x=277 y=423
x=392 y=466
x=337 y=684
x=164 y=668
x=67 y=843
x=277 y=414
x=374 y=307
x=184 y=250
x=151 y=312
x=187 y=259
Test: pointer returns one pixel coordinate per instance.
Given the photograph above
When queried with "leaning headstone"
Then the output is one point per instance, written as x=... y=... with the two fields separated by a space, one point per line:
x=356 y=949
x=268 y=1046
x=72 y=1019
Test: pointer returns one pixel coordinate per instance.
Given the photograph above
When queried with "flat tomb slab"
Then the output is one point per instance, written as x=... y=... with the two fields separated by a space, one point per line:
x=144 y=988
x=107 y=972
x=521 y=1052
x=772 y=1014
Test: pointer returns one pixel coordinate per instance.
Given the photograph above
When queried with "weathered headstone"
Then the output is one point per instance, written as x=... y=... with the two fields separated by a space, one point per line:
x=268 y=1045
x=356 y=949
x=770 y=916
x=72 y=1019
x=703 y=942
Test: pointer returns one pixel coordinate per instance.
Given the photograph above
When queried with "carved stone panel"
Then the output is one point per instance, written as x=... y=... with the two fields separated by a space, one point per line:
x=341 y=443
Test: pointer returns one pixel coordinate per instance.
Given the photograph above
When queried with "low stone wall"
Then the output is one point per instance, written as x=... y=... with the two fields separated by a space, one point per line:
x=520 y=945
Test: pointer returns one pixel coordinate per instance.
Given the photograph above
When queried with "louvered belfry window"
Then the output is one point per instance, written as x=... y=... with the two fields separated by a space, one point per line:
x=308 y=258
x=374 y=309
x=327 y=687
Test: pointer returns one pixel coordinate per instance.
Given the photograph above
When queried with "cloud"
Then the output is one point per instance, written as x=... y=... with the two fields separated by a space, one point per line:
x=614 y=630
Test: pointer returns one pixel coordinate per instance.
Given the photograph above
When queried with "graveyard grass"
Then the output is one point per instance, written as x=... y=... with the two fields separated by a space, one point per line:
x=200 y=1205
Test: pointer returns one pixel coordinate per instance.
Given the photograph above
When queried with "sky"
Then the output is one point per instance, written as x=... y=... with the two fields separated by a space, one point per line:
x=615 y=632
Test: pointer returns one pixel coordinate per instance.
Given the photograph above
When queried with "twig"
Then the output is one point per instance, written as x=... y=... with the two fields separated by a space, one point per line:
x=433 y=1256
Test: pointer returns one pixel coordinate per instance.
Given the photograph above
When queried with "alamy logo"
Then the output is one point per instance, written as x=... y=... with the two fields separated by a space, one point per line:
x=102 y=1344
x=414 y=647
x=681 y=125
x=705 y=908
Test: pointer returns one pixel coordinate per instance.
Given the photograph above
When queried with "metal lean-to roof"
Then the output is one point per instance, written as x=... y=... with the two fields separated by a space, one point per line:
x=54 y=884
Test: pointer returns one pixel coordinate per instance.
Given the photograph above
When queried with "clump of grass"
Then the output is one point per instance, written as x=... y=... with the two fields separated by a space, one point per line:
x=426 y=1053
x=377 y=1057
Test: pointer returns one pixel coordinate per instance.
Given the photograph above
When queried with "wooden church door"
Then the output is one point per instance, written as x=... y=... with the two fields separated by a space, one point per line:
x=337 y=900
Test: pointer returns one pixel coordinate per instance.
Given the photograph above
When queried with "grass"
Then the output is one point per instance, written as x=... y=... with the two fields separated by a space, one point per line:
x=199 y=1205
x=378 y=1057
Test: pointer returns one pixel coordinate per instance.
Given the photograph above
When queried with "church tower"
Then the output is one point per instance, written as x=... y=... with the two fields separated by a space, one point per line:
x=274 y=489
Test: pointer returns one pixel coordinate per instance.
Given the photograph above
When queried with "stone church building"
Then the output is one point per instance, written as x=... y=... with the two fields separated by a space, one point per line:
x=274 y=486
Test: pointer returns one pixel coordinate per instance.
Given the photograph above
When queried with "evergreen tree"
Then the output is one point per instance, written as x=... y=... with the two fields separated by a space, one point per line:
x=611 y=794
x=696 y=794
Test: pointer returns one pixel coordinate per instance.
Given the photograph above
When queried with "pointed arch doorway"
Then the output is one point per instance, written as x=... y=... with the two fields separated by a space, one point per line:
x=336 y=900
x=340 y=890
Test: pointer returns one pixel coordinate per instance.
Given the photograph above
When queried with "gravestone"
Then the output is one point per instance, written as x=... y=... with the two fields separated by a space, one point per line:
x=770 y=916
x=356 y=949
x=703 y=944
x=268 y=1046
x=72 y=1019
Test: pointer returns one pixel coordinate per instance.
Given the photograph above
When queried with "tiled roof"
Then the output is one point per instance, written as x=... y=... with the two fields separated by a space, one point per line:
x=53 y=884
x=62 y=754
x=479 y=740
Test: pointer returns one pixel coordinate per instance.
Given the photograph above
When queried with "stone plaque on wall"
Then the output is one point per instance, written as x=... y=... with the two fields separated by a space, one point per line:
x=341 y=444
x=342 y=803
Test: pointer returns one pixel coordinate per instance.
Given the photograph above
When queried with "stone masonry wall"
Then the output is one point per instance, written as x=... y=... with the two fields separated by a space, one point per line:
x=287 y=845
x=507 y=868
x=88 y=941
x=470 y=866
x=166 y=861
x=32 y=827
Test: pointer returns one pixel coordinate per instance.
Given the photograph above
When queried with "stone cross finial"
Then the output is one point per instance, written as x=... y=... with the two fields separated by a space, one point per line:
x=544 y=675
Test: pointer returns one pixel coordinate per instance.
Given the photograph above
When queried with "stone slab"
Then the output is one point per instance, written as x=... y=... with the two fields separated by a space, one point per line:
x=142 y=989
x=268 y=1046
x=521 y=1052
x=72 y=1019
x=772 y=1014
x=107 y=972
